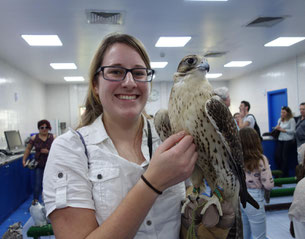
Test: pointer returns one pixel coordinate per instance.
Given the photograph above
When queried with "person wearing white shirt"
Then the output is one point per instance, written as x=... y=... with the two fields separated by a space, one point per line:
x=285 y=148
x=113 y=178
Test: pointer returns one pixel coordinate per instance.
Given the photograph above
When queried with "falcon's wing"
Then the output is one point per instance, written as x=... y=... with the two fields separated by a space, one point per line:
x=162 y=124
x=221 y=118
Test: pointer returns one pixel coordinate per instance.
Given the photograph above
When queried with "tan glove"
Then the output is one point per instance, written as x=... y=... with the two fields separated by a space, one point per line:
x=210 y=225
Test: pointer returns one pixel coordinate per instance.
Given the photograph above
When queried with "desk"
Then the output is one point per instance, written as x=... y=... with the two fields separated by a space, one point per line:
x=16 y=184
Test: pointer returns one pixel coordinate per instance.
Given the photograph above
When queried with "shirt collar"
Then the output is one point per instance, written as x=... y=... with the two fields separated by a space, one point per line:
x=96 y=132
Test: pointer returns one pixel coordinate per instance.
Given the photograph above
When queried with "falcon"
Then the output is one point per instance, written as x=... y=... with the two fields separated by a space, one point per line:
x=194 y=108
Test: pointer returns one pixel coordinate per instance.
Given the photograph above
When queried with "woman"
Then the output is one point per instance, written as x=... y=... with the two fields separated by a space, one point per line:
x=42 y=144
x=258 y=178
x=104 y=195
x=286 y=148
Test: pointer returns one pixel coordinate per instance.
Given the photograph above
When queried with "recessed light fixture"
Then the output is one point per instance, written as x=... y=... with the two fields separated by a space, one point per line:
x=63 y=66
x=237 y=63
x=213 y=75
x=42 y=40
x=172 y=41
x=160 y=64
x=74 y=78
x=284 y=41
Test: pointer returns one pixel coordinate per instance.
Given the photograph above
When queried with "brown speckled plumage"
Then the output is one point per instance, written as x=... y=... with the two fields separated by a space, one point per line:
x=193 y=107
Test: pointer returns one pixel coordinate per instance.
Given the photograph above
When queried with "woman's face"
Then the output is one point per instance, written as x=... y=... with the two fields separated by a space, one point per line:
x=283 y=114
x=43 y=129
x=127 y=98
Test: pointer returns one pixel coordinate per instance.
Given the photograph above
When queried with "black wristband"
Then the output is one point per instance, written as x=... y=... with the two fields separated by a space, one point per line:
x=149 y=185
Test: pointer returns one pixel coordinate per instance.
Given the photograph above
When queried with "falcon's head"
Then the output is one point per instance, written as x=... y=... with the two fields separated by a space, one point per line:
x=193 y=62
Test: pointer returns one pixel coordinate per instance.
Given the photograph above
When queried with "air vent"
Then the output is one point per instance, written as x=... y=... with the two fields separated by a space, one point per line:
x=215 y=54
x=104 y=17
x=265 y=21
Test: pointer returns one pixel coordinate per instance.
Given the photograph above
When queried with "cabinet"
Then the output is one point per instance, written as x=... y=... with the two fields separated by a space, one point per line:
x=16 y=185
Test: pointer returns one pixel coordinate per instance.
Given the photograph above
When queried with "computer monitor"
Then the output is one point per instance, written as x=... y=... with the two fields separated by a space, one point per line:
x=13 y=139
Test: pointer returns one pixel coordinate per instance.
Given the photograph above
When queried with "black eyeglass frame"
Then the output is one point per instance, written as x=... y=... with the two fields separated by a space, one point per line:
x=152 y=72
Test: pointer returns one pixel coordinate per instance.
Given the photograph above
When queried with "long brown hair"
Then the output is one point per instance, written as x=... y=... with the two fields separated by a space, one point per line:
x=252 y=148
x=289 y=113
x=93 y=104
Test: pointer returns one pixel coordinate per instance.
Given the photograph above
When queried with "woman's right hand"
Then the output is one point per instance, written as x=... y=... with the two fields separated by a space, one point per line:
x=172 y=162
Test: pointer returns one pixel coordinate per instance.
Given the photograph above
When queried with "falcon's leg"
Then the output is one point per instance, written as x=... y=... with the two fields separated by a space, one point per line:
x=216 y=199
x=198 y=186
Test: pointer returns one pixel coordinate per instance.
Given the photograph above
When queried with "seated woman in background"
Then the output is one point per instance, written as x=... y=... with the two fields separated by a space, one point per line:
x=286 y=147
x=42 y=143
x=258 y=178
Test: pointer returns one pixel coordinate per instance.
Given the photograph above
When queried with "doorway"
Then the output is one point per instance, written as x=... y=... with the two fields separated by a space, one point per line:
x=276 y=99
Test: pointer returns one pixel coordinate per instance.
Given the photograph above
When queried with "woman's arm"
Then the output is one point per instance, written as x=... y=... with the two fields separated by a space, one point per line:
x=266 y=175
x=27 y=151
x=172 y=163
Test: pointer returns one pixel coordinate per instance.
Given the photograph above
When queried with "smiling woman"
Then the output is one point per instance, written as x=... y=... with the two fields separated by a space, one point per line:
x=120 y=153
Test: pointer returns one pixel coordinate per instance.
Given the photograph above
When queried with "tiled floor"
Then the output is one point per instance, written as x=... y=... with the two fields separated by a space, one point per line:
x=277 y=221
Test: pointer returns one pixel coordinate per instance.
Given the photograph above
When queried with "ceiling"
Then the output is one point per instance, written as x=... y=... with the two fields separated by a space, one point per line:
x=213 y=26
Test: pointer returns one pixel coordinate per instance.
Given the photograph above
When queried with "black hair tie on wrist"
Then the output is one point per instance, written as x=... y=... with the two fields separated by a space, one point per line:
x=149 y=185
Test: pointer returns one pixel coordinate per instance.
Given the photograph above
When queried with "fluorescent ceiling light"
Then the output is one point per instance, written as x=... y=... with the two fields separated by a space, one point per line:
x=237 y=63
x=42 y=40
x=206 y=0
x=160 y=64
x=74 y=78
x=172 y=41
x=63 y=66
x=213 y=75
x=284 y=41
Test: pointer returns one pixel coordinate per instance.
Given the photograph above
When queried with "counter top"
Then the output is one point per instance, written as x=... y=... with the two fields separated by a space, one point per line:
x=8 y=159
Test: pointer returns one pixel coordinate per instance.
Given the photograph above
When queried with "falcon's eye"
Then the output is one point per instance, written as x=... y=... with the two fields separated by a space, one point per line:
x=190 y=61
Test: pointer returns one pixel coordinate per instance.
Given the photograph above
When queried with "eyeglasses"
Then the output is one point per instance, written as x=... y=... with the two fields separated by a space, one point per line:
x=117 y=73
x=43 y=127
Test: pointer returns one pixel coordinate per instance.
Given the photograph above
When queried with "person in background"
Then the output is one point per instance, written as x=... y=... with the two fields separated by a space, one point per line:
x=223 y=93
x=296 y=211
x=42 y=143
x=245 y=120
x=258 y=179
x=285 y=147
x=236 y=117
x=300 y=131
x=116 y=179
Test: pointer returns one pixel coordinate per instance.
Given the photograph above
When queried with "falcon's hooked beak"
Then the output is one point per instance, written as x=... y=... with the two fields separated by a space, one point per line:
x=204 y=66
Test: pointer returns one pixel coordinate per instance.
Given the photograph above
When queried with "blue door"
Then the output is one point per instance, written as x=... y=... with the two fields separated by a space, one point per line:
x=276 y=99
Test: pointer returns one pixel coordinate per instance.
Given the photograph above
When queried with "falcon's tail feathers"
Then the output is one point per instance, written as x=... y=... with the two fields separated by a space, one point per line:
x=250 y=200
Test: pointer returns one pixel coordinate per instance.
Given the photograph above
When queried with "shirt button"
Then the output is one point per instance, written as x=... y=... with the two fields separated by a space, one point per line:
x=148 y=222
x=99 y=176
x=60 y=175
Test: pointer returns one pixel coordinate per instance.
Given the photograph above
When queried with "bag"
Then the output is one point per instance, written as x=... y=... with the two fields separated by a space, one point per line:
x=274 y=133
x=31 y=163
x=14 y=231
x=256 y=127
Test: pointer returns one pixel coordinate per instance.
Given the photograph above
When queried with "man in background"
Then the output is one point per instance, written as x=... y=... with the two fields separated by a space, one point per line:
x=223 y=93
x=300 y=131
x=245 y=120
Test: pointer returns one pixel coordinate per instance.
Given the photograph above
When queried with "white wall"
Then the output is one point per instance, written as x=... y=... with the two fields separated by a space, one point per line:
x=63 y=102
x=254 y=87
x=22 y=102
